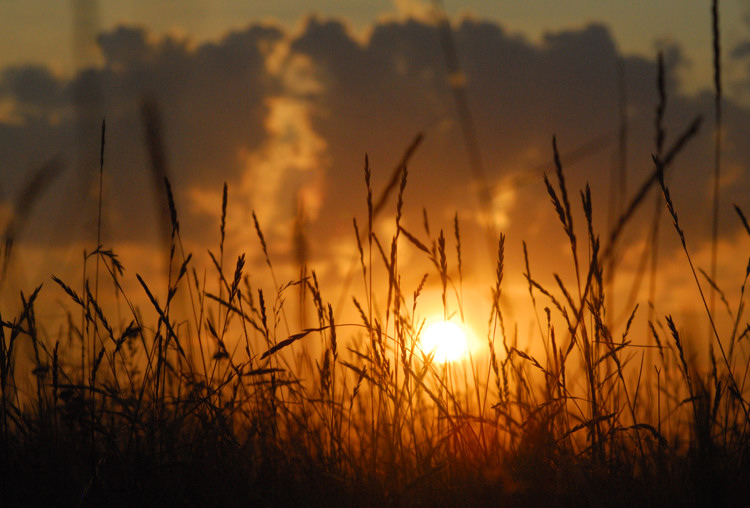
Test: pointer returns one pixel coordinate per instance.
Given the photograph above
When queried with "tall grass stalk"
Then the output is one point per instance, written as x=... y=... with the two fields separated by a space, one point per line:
x=717 y=142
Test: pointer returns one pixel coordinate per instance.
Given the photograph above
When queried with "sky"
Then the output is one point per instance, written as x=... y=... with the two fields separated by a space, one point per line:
x=283 y=104
x=42 y=31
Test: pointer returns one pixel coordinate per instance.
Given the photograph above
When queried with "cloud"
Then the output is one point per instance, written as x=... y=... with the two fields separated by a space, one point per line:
x=212 y=100
x=288 y=116
x=33 y=89
x=380 y=92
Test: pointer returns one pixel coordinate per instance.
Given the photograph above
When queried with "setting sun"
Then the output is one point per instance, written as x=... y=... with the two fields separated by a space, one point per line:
x=446 y=339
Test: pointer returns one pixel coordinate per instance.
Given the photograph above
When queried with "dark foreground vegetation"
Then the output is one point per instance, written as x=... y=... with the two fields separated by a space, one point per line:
x=228 y=405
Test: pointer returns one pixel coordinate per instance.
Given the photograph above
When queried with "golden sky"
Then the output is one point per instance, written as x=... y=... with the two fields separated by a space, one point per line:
x=284 y=111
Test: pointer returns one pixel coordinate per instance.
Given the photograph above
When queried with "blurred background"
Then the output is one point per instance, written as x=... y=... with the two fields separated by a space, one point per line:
x=282 y=104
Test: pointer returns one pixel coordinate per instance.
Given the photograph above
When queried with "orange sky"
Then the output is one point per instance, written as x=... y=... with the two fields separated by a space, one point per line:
x=285 y=113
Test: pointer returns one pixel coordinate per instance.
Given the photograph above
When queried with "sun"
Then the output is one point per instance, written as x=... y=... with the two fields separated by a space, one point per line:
x=446 y=339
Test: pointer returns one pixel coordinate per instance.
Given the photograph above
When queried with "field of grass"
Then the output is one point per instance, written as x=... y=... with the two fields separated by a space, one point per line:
x=220 y=401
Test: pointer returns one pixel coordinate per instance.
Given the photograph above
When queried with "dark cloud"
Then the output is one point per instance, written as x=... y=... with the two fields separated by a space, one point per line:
x=211 y=102
x=32 y=87
x=379 y=93
x=377 y=97
x=211 y=97
x=373 y=95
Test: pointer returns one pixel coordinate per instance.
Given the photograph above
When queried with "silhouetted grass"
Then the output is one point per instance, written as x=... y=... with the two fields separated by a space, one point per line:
x=148 y=415
x=227 y=404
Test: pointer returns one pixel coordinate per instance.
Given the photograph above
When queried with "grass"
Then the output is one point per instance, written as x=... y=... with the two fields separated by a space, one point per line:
x=228 y=404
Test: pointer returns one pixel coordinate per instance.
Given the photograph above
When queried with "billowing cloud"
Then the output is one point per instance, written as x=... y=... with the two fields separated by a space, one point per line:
x=286 y=117
x=379 y=92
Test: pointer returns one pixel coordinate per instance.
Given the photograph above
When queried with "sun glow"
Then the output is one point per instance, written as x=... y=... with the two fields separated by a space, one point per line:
x=446 y=339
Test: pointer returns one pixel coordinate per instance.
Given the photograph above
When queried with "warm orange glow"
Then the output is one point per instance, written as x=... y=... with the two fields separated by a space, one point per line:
x=446 y=339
